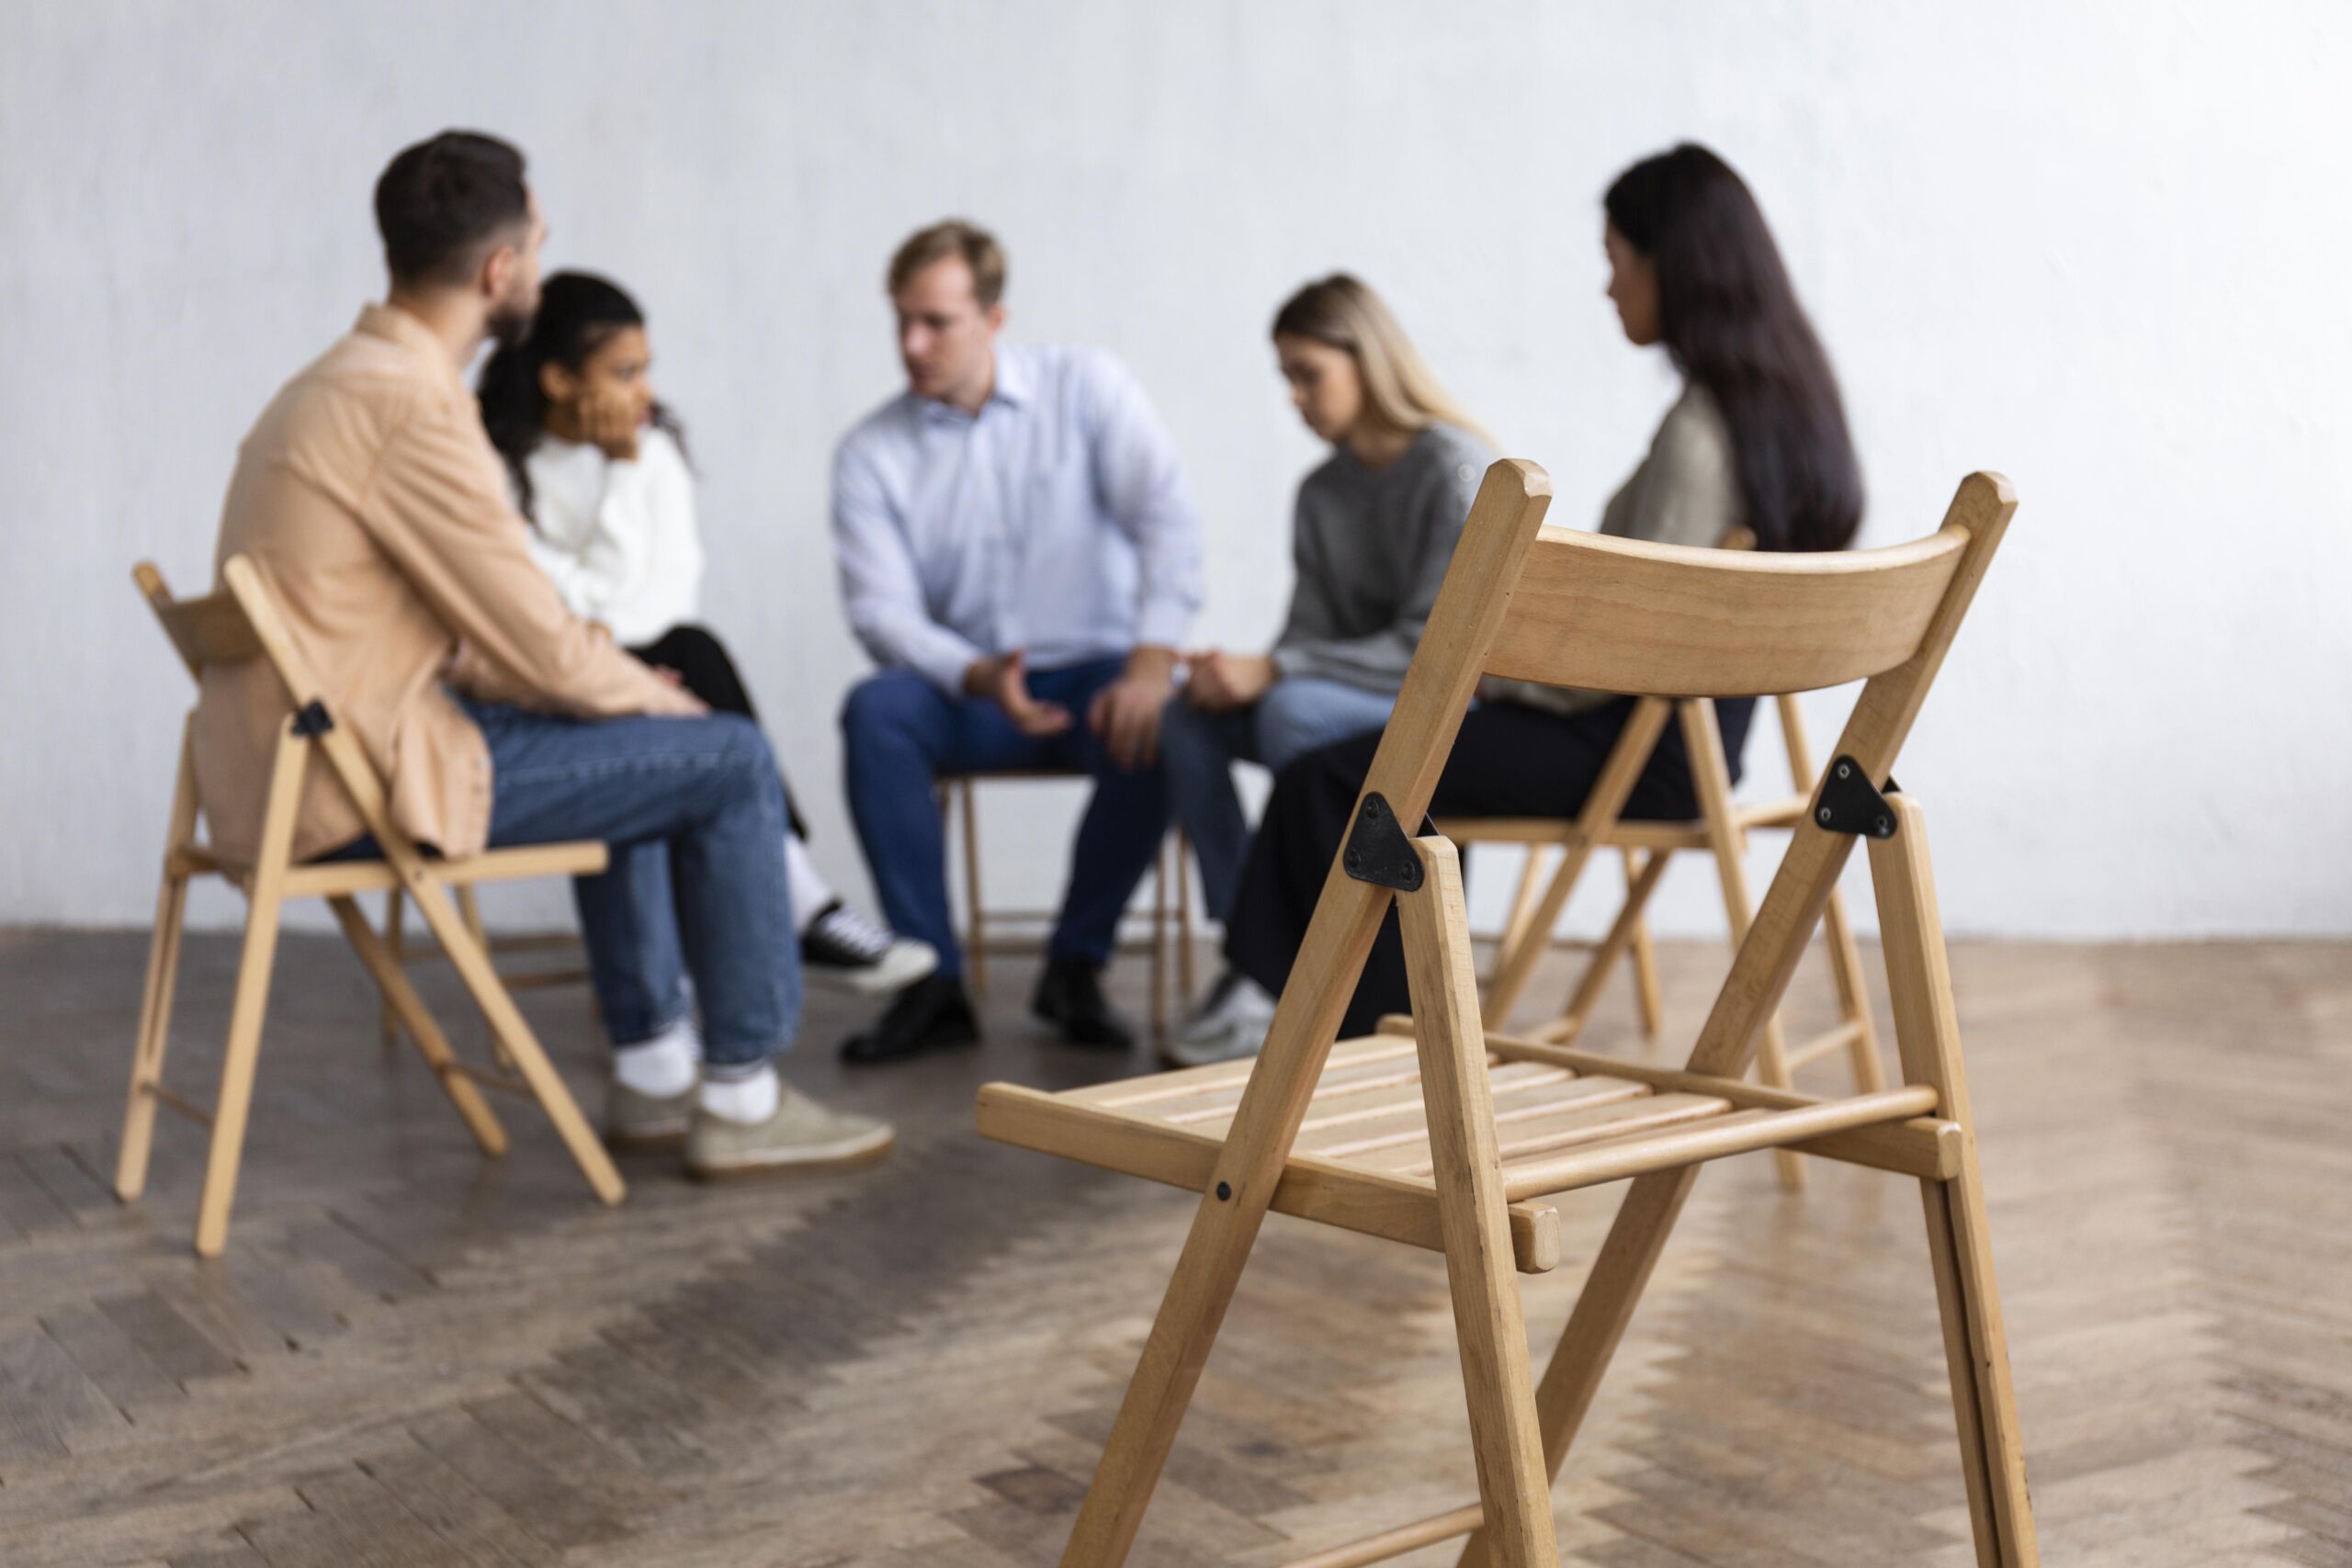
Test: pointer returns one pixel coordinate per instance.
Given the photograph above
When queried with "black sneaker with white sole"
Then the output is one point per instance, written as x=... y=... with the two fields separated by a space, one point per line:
x=844 y=948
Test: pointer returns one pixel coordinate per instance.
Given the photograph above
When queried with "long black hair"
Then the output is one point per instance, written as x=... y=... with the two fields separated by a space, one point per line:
x=579 y=313
x=1731 y=322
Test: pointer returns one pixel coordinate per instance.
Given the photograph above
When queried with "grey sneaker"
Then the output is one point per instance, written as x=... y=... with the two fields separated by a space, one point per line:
x=634 y=1121
x=1230 y=1025
x=801 y=1135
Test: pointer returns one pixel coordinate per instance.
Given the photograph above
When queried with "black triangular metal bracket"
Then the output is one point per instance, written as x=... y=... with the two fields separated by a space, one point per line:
x=1378 y=850
x=313 y=721
x=1849 y=803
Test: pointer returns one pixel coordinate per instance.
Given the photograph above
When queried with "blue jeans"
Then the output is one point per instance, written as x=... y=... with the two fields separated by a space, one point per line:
x=902 y=732
x=1198 y=750
x=694 y=811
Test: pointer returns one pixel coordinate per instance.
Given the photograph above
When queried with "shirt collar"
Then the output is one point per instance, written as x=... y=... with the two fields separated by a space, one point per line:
x=1013 y=381
x=1011 y=384
x=396 y=326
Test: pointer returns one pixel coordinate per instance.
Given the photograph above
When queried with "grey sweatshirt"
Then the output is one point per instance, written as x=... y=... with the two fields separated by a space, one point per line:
x=1369 y=547
x=1686 y=492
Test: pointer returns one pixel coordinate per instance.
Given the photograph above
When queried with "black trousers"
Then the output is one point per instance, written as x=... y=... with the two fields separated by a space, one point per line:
x=705 y=670
x=1510 y=761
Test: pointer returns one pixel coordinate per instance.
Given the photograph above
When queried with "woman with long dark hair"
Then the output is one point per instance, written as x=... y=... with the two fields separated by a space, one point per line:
x=598 y=465
x=1757 y=439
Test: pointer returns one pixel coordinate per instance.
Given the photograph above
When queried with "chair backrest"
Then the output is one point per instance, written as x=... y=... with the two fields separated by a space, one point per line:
x=1610 y=615
x=241 y=623
x=210 y=630
x=1662 y=620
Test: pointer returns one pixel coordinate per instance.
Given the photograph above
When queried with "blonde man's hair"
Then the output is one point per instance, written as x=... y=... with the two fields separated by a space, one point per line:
x=953 y=237
x=1342 y=313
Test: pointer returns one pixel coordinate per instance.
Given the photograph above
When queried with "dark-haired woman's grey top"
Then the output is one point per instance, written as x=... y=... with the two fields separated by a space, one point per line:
x=1686 y=492
x=1370 y=547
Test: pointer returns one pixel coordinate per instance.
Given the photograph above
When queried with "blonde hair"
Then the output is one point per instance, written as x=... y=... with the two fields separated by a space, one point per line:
x=954 y=237
x=1342 y=313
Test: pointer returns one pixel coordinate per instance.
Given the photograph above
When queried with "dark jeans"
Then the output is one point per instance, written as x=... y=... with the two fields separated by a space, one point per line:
x=1510 y=761
x=694 y=811
x=903 y=733
x=704 y=669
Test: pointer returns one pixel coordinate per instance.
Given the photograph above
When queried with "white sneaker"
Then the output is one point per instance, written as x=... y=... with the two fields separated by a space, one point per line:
x=844 y=948
x=1231 y=1024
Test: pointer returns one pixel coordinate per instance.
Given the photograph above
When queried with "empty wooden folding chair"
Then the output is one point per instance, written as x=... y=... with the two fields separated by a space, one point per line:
x=242 y=623
x=1447 y=1137
x=1719 y=832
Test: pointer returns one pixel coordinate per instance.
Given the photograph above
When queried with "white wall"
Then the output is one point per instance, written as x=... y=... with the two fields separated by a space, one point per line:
x=2103 y=248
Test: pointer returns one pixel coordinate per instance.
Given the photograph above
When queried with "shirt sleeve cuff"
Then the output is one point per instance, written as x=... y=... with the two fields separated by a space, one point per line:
x=943 y=662
x=1164 y=623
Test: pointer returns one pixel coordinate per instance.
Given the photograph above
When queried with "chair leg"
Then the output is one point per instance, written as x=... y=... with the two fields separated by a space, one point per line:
x=1647 y=1002
x=1184 y=978
x=155 y=1001
x=264 y=899
x=396 y=943
x=1602 y=804
x=1506 y=1435
x=402 y=997
x=1161 y=877
x=1622 y=1271
x=237 y=1067
x=1227 y=1222
x=1623 y=931
x=154 y=1039
x=1926 y=1032
x=1853 y=996
x=506 y=1022
x=1522 y=904
x=470 y=908
x=1976 y=1352
x=976 y=940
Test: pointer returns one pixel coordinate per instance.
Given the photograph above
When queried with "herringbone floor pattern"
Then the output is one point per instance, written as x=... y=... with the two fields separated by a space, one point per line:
x=413 y=1357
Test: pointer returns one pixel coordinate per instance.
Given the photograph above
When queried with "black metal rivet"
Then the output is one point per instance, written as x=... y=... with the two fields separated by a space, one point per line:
x=1822 y=816
x=1845 y=771
x=1224 y=1193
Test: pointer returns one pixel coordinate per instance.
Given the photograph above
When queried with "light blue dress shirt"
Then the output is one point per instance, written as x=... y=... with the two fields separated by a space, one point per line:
x=1054 y=520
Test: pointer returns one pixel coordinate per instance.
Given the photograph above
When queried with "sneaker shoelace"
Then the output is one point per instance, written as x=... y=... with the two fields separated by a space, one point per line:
x=847 y=928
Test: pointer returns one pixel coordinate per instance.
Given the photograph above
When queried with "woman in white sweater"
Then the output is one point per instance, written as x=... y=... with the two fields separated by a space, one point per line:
x=599 y=466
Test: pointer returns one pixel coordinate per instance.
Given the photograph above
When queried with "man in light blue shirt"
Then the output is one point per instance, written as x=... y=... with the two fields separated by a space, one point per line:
x=1019 y=554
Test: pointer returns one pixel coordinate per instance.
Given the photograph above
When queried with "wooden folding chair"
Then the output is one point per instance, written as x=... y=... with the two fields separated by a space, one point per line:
x=239 y=624
x=1721 y=831
x=1446 y=1136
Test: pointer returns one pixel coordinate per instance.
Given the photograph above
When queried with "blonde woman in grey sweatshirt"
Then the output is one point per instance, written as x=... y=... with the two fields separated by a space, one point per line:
x=1374 y=530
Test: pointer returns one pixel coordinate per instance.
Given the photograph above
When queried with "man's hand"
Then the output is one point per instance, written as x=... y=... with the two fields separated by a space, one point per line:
x=1002 y=680
x=1221 y=681
x=672 y=700
x=1125 y=713
x=612 y=423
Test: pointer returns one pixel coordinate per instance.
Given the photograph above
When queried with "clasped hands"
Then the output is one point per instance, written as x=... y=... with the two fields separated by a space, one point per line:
x=1125 y=713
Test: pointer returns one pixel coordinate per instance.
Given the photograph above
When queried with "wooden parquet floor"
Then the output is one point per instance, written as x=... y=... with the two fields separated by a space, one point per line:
x=412 y=1355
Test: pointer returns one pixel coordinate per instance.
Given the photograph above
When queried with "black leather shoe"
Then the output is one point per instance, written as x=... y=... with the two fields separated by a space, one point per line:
x=1069 y=997
x=932 y=1014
